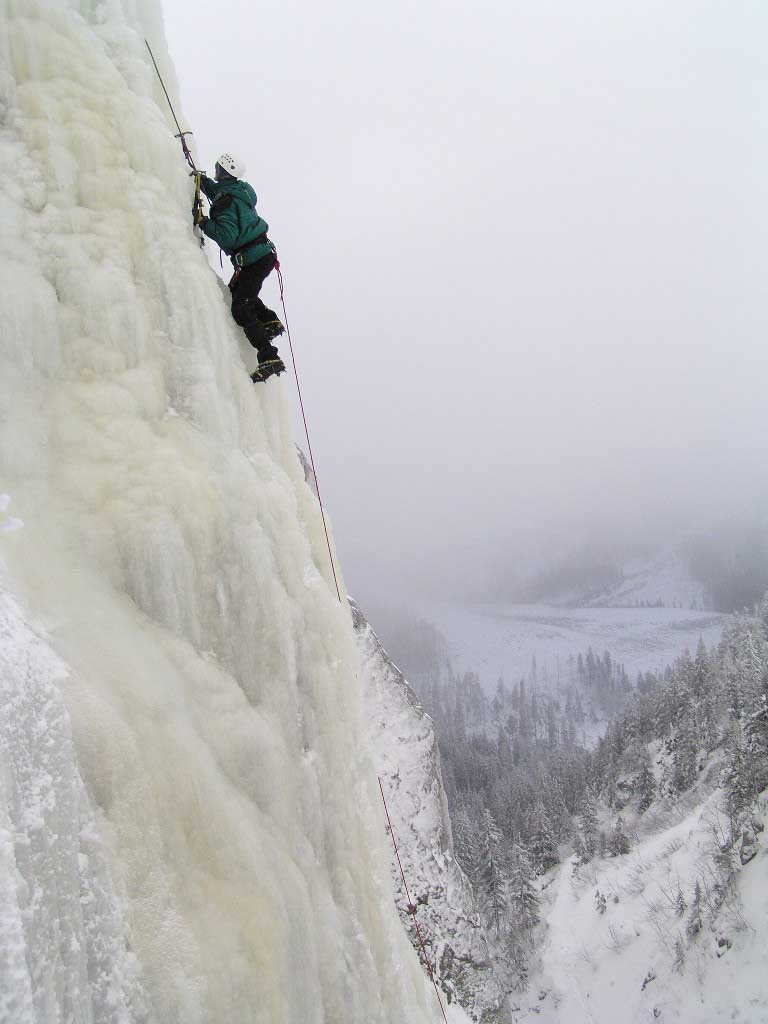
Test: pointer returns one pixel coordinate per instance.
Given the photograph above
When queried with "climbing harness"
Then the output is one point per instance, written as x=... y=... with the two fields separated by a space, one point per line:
x=306 y=428
x=412 y=906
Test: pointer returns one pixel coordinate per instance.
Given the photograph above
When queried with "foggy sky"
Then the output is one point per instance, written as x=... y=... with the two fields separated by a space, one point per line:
x=524 y=247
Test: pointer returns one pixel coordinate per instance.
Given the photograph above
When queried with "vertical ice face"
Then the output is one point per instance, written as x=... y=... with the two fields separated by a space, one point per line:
x=63 y=948
x=175 y=555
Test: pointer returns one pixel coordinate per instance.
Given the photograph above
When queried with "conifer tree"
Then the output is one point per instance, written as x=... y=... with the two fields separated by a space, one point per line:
x=619 y=843
x=542 y=845
x=734 y=697
x=680 y=905
x=750 y=663
x=700 y=682
x=685 y=756
x=588 y=826
x=466 y=844
x=694 y=923
x=523 y=898
x=646 y=785
x=756 y=732
x=735 y=777
x=491 y=873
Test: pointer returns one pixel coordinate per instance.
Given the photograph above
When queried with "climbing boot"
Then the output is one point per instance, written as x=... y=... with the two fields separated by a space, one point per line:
x=268 y=368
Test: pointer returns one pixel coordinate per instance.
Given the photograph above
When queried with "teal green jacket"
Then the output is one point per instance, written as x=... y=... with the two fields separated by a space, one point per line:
x=233 y=222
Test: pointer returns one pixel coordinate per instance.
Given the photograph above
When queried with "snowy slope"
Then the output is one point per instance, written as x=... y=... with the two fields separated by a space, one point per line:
x=665 y=578
x=635 y=962
x=408 y=763
x=175 y=557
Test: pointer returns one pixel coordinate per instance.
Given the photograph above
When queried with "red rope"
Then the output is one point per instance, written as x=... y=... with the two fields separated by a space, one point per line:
x=306 y=429
x=412 y=906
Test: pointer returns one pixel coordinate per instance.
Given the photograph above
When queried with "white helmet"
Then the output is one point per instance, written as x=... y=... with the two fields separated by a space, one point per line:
x=230 y=164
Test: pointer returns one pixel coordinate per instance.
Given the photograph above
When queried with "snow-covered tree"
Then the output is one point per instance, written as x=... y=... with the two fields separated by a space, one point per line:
x=588 y=827
x=734 y=696
x=736 y=781
x=542 y=844
x=523 y=897
x=618 y=841
x=756 y=733
x=685 y=754
x=466 y=843
x=680 y=903
x=694 y=923
x=491 y=875
x=646 y=785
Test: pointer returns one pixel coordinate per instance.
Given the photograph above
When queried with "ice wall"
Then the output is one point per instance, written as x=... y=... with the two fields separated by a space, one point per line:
x=174 y=555
x=63 y=945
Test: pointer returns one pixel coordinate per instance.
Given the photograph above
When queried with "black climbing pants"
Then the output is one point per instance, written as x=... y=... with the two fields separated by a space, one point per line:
x=247 y=308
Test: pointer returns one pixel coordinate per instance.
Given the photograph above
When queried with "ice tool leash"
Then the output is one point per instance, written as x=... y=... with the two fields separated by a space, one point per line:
x=197 y=205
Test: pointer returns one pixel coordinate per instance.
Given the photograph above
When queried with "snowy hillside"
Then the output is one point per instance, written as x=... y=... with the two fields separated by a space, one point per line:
x=664 y=579
x=189 y=807
x=408 y=763
x=633 y=961
x=584 y=579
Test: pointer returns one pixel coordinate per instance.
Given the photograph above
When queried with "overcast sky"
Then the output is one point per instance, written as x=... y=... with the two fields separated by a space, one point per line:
x=524 y=246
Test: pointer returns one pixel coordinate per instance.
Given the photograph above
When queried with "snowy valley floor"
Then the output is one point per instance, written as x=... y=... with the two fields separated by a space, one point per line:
x=503 y=639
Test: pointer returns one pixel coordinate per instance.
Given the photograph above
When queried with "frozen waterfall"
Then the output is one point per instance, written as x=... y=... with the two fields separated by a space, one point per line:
x=188 y=832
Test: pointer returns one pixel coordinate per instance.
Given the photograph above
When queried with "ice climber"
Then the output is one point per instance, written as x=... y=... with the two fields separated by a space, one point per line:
x=236 y=227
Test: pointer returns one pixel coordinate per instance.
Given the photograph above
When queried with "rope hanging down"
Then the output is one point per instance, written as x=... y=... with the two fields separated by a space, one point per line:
x=412 y=907
x=306 y=430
